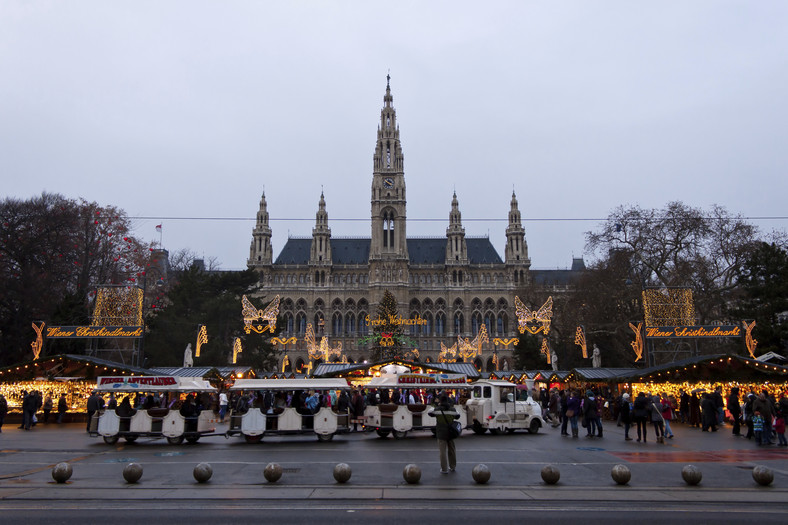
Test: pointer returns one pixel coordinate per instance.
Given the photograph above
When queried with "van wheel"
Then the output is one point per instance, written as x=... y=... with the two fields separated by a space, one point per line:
x=175 y=440
x=382 y=433
x=253 y=439
x=325 y=437
x=533 y=428
x=110 y=440
x=399 y=434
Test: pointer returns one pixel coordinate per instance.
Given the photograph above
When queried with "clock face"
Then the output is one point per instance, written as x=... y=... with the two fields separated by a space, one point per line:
x=388 y=182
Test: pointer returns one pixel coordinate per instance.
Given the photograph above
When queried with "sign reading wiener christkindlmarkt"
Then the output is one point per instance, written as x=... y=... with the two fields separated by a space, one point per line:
x=75 y=332
x=696 y=332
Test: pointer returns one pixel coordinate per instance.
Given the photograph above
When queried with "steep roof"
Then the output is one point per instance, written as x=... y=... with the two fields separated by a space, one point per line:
x=356 y=251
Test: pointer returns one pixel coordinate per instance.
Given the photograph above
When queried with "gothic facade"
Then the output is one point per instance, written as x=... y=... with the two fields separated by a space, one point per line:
x=454 y=284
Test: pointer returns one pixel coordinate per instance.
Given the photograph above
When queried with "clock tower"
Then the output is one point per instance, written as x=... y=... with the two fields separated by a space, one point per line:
x=388 y=253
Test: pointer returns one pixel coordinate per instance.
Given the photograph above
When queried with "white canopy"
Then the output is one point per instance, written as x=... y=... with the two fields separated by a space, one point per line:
x=419 y=381
x=152 y=384
x=291 y=384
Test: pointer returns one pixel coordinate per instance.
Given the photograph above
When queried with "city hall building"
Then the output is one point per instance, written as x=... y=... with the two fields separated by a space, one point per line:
x=453 y=285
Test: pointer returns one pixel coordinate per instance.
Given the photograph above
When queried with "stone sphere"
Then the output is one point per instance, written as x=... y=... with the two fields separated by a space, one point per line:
x=621 y=474
x=551 y=474
x=273 y=472
x=411 y=473
x=763 y=475
x=691 y=474
x=203 y=472
x=481 y=473
x=342 y=472
x=62 y=472
x=132 y=472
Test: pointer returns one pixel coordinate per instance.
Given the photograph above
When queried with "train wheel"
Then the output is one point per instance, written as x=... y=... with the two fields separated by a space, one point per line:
x=110 y=440
x=399 y=434
x=382 y=433
x=533 y=428
x=510 y=430
x=193 y=439
x=478 y=429
x=325 y=437
x=131 y=439
x=494 y=431
x=175 y=440
x=253 y=439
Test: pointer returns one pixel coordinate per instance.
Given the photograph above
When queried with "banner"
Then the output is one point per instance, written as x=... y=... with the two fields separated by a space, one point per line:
x=76 y=332
x=695 y=332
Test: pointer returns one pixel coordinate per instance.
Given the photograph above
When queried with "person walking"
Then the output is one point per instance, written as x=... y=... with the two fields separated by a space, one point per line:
x=3 y=410
x=656 y=419
x=47 y=406
x=735 y=410
x=445 y=415
x=95 y=403
x=29 y=406
x=573 y=411
x=640 y=415
x=357 y=406
x=223 y=404
x=667 y=416
x=564 y=399
x=591 y=413
x=709 y=413
x=625 y=415
x=62 y=408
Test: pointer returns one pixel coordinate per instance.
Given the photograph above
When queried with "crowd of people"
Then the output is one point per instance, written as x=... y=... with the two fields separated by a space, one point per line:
x=762 y=412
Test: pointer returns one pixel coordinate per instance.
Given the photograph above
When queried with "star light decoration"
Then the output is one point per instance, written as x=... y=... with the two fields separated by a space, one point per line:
x=251 y=314
x=748 y=340
x=237 y=349
x=202 y=338
x=580 y=340
x=533 y=322
x=38 y=344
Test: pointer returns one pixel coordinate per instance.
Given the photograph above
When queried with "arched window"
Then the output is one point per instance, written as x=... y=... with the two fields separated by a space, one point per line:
x=350 y=324
x=459 y=323
x=336 y=324
x=289 y=323
x=502 y=322
x=476 y=321
x=427 y=328
x=440 y=324
x=488 y=322
x=301 y=323
x=362 y=324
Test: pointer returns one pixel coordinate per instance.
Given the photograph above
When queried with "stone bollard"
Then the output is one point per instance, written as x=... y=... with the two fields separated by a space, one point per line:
x=342 y=472
x=203 y=472
x=691 y=474
x=763 y=475
x=481 y=473
x=551 y=474
x=272 y=472
x=132 y=472
x=621 y=474
x=62 y=472
x=411 y=473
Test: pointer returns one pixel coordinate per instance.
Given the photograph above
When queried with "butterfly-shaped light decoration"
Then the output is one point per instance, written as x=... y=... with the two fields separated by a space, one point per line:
x=251 y=314
x=321 y=350
x=447 y=353
x=526 y=317
x=470 y=349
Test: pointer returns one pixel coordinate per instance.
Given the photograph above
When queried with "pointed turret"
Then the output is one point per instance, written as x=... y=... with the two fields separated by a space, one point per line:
x=456 y=248
x=260 y=254
x=516 y=247
x=320 y=253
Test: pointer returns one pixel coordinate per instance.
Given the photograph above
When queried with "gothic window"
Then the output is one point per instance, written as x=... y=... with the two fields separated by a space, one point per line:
x=427 y=328
x=476 y=321
x=388 y=121
x=350 y=324
x=289 y=323
x=459 y=323
x=362 y=324
x=388 y=154
x=488 y=322
x=414 y=328
x=336 y=324
x=502 y=324
x=440 y=324
x=301 y=323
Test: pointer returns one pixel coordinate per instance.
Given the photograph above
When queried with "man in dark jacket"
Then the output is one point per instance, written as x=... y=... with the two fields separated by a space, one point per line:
x=445 y=415
x=95 y=403
x=735 y=409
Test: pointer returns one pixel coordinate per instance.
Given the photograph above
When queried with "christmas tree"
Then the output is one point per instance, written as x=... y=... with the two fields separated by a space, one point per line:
x=387 y=330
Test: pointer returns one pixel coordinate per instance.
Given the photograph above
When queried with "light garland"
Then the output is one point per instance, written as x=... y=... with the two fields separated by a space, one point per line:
x=202 y=338
x=748 y=340
x=580 y=340
x=668 y=307
x=237 y=348
x=283 y=340
x=118 y=306
x=38 y=344
x=637 y=344
x=251 y=313
x=526 y=316
x=505 y=342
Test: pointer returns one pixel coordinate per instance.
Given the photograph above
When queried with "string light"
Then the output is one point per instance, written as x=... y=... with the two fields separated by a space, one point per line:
x=580 y=340
x=202 y=338
x=237 y=348
x=668 y=307
x=39 y=342
x=637 y=344
x=748 y=340
x=118 y=306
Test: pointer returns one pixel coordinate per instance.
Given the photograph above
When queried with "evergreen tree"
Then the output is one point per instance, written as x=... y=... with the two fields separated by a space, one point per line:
x=527 y=354
x=387 y=334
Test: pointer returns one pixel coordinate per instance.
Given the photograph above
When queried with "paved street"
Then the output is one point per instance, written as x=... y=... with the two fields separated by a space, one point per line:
x=377 y=489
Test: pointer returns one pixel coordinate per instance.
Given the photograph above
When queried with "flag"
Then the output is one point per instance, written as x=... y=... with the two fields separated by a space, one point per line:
x=158 y=228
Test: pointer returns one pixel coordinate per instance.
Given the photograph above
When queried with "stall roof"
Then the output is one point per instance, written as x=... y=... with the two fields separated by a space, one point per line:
x=328 y=383
x=598 y=375
x=333 y=369
x=68 y=365
x=719 y=367
x=224 y=372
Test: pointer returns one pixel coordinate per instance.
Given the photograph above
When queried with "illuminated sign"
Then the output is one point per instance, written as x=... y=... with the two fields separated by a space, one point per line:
x=137 y=381
x=431 y=379
x=396 y=320
x=697 y=332
x=76 y=332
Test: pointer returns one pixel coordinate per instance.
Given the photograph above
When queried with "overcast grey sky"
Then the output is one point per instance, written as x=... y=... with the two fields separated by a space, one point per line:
x=172 y=109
